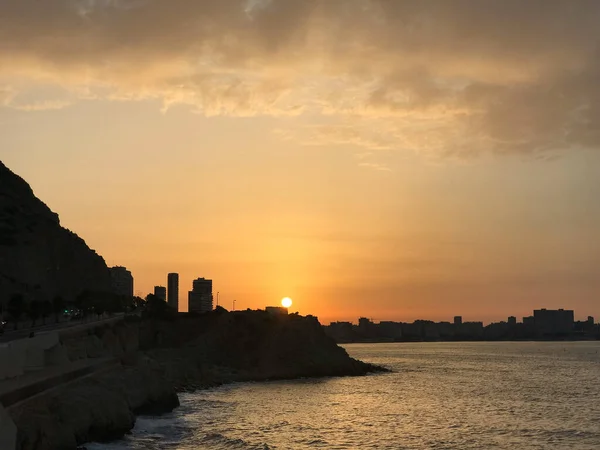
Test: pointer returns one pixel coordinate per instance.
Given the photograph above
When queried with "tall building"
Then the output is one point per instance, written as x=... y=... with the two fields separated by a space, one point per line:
x=457 y=320
x=200 y=298
x=121 y=281
x=554 y=321
x=529 y=321
x=173 y=290
x=160 y=292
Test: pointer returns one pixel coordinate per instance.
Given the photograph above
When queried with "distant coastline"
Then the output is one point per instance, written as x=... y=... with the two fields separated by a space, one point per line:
x=543 y=325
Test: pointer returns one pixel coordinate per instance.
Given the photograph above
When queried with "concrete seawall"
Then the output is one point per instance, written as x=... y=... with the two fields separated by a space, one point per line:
x=50 y=379
x=8 y=431
x=23 y=355
x=50 y=359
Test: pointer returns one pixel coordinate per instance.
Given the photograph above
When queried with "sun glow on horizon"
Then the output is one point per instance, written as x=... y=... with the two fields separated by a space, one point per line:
x=286 y=302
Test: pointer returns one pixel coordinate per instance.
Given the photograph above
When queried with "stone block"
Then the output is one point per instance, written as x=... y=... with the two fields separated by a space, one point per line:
x=8 y=431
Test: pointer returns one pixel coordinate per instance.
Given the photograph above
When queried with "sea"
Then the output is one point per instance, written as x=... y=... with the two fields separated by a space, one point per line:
x=508 y=395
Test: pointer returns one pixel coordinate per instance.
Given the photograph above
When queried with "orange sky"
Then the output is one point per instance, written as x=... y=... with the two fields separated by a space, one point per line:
x=396 y=160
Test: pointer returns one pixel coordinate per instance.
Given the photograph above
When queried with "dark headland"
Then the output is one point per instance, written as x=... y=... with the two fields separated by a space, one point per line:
x=158 y=358
x=146 y=358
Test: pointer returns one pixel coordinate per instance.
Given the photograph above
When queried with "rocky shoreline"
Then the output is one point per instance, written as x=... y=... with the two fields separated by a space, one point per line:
x=173 y=356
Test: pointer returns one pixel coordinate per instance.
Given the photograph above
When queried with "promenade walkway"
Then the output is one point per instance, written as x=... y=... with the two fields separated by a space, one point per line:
x=67 y=325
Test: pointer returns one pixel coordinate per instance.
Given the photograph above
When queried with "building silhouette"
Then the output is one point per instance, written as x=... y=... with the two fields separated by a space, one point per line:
x=277 y=310
x=553 y=321
x=200 y=298
x=160 y=292
x=121 y=281
x=529 y=321
x=173 y=290
x=544 y=324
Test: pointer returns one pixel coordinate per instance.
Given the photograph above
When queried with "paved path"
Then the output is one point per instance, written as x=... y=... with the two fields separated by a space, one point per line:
x=23 y=333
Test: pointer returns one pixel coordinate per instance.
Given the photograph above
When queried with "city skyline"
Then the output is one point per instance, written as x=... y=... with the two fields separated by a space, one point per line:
x=203 y=287
x=457 y=319
x=543 y=324
x=395 y=159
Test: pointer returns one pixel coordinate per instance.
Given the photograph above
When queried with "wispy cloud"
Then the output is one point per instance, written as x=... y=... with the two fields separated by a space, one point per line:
x=45 y=105
x=331 y=135
x=7 y=93
x=375 y=166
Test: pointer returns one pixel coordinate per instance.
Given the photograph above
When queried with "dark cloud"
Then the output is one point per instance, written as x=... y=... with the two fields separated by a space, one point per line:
x=451 y=77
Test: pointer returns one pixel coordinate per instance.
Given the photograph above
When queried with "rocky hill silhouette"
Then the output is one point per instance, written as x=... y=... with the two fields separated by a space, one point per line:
x=38 y=257
x=158 y=358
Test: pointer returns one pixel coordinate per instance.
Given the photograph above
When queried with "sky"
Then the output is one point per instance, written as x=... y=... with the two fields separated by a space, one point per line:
x=391 y=159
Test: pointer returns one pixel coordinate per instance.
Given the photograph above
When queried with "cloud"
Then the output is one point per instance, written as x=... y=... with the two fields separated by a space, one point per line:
x=7 y=93
x=10 y=97
x=446 y=78
x=45 y=105
x=375 y=166
x=338 y=134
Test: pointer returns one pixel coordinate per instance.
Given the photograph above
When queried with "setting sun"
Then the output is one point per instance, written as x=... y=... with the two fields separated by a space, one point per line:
x=286 y=302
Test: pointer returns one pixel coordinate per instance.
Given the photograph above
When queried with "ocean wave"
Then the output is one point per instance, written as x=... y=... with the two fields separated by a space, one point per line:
x=225 y=442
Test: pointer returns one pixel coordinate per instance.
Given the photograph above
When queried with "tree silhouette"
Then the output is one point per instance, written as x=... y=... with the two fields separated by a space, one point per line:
x=114 y=303
x=45 y=310
x=34 y=311
x=84 y=302
x=100 y=305
x=157 y=307
x=138 y=302
x=16 y=308
x=58 y=305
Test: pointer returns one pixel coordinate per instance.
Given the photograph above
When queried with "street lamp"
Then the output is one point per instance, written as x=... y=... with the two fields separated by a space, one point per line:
x=217 y=298
x=233 y=306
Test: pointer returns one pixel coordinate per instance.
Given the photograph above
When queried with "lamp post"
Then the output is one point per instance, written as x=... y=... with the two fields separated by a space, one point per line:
x=233 y=306
x=217 y=298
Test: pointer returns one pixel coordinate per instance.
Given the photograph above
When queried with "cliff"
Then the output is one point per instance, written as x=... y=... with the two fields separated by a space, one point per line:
x=222 y=347
x=38 y=257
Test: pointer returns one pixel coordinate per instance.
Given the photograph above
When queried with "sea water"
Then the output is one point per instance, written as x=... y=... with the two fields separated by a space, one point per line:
x=527 y=395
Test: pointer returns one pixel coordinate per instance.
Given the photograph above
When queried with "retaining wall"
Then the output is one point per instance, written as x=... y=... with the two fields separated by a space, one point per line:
x=23 y=355
x=8 y=431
